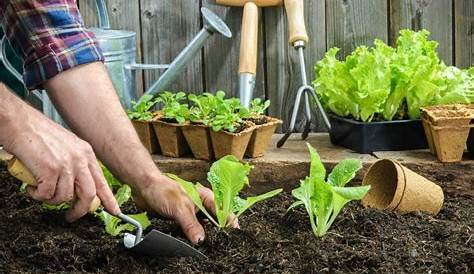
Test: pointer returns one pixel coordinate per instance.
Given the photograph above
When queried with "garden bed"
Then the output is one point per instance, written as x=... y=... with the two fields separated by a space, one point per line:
x=360 y=241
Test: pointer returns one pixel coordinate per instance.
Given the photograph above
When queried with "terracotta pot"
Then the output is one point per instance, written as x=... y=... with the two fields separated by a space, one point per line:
x=395 y=187
x=198 y=138
x=170 y=138
x=261 y=138
x=225 y=143
x=447 y=129
x=147 y=135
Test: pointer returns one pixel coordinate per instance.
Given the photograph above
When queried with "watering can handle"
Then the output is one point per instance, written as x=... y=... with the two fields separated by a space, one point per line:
x=102 y=14
x=18 y=170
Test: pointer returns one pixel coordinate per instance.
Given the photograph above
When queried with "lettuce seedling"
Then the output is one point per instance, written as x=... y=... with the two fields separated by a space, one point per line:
x=324 y=199
x=173 y=108
x=229 y=113
x=227 y=177
x=141 y=111
x=258 y=107
x=204 y=108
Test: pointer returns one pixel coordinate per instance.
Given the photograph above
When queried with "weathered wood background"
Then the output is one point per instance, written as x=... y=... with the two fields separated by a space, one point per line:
x=164 y=27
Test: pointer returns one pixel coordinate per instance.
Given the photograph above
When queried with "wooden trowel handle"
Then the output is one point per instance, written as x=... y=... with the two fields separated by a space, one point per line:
x=18 y=170
x=249 y=39
x=296 y=21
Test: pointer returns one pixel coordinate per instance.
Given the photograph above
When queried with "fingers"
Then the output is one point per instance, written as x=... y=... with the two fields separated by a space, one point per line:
x=207 y=198
x=64 y=189
x=190 y=225
x=45 y=189
x=102 y=189
x=85 y=193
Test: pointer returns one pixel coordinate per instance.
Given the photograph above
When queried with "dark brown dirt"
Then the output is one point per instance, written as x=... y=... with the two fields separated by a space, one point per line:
x=259 y=120
x=270 y=241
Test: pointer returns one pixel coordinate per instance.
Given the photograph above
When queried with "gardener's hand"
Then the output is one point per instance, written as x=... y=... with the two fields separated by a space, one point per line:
x=64 y=166
x=166 y=198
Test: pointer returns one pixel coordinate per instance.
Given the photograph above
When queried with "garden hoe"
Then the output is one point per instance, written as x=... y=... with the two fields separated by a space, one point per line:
x=153 y=244
x=298 y=38
x=249 y=44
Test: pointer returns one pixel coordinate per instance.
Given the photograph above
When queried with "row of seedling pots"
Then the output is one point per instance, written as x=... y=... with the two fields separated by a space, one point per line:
x=210 y=127
x=447 y=130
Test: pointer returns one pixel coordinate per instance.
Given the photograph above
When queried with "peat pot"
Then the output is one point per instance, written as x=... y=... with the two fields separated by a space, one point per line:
x=377 y=136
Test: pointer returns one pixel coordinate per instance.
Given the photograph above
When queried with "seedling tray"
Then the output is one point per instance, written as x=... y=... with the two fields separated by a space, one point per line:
x=377 y=136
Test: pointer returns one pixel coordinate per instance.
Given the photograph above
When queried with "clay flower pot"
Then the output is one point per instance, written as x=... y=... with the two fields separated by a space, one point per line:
x=147 y=135
x=395 y=187
x=447 y=129
x=198 y=137
x=261 y=137
x=225 y=143
x=170 y=138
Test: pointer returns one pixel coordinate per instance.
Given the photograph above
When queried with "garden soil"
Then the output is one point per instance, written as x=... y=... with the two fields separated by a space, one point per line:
x=270 y=241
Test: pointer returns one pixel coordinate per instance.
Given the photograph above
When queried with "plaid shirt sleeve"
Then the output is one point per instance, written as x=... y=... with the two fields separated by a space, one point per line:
x=50 y=35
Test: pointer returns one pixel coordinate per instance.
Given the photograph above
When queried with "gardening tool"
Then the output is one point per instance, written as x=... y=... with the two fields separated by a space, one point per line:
x=155 y=243
x=119 y=50
x=249 y=44
x=298 y=38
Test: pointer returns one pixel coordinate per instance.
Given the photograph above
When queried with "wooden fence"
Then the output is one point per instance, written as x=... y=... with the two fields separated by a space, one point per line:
x=164 y=27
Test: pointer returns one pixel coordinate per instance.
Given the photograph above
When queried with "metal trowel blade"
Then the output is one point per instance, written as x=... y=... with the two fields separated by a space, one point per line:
x=158 y=244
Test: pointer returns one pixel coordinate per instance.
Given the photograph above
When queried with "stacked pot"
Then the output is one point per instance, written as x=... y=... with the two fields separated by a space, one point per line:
x=161 y=136
x=447 y=130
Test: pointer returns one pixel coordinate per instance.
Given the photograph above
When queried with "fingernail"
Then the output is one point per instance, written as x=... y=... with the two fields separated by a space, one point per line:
x=200 y=240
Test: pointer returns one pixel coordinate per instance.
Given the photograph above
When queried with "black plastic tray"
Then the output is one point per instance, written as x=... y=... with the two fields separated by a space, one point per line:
x=377 y=136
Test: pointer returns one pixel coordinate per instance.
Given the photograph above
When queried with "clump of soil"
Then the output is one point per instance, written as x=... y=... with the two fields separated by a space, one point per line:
x=261 y=120
x=270 y=241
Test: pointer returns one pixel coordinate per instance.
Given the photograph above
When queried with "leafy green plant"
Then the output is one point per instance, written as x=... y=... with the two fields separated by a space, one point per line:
x=229 y=113
x=258 y=107
x=324 y=198
x=113 y=225
x=173 y=108
x=141 y=111
x=227 y=177
x=381 y=81
x=203 y=109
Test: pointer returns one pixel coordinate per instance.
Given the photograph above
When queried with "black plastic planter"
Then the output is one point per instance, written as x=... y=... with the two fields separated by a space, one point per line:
x=377 y=136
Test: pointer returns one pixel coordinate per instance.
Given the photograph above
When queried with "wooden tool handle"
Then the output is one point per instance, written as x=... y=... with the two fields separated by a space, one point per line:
x=18 y=170
x=296 y=21
x=249 y=40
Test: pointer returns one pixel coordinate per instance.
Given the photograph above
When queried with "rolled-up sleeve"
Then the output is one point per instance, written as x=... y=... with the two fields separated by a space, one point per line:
x=50 y=36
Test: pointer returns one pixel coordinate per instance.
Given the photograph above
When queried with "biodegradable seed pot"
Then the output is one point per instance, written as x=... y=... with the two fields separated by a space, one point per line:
x=261 y=137
x=170 y=138
x=447 y=129
x=395 y=187
x=198 y=137
x=147 y=135
x=226 y=143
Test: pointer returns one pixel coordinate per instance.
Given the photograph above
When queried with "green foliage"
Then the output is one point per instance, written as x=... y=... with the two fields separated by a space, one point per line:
x=229 y=113
x=113 y=225
x=203 y=109
x=379 y=82
x=227 y=177
x=258 y=107
x=142 y=110
x=173 y=108
x=323 y=199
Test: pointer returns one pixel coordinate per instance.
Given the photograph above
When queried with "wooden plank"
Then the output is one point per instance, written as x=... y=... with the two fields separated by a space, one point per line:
x=434 y=15
x=221 y=55
x=351 y=23
x=464 y=33
x=282 y=63
x=124 y=15
x=167 y=27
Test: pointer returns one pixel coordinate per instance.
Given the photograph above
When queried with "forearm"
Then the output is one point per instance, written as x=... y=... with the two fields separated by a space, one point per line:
x=13 y=112
x=87 y=101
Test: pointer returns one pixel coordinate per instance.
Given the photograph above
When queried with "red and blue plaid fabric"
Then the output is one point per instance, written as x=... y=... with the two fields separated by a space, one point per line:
x=50 y=35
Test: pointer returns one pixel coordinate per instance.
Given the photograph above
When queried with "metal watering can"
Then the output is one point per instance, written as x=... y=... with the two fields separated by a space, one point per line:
x=119 y=49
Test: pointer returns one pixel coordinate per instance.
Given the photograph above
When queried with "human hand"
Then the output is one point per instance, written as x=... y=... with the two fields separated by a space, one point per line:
x=165 y=197
x=64 y=166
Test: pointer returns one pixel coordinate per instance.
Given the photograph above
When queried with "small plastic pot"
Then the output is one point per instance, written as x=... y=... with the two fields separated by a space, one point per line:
x=198 y=137
x=225 y=143
x=395 y=187
x=147 y=135
x=447 y=129
x=170 y=138
x=261 y=138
